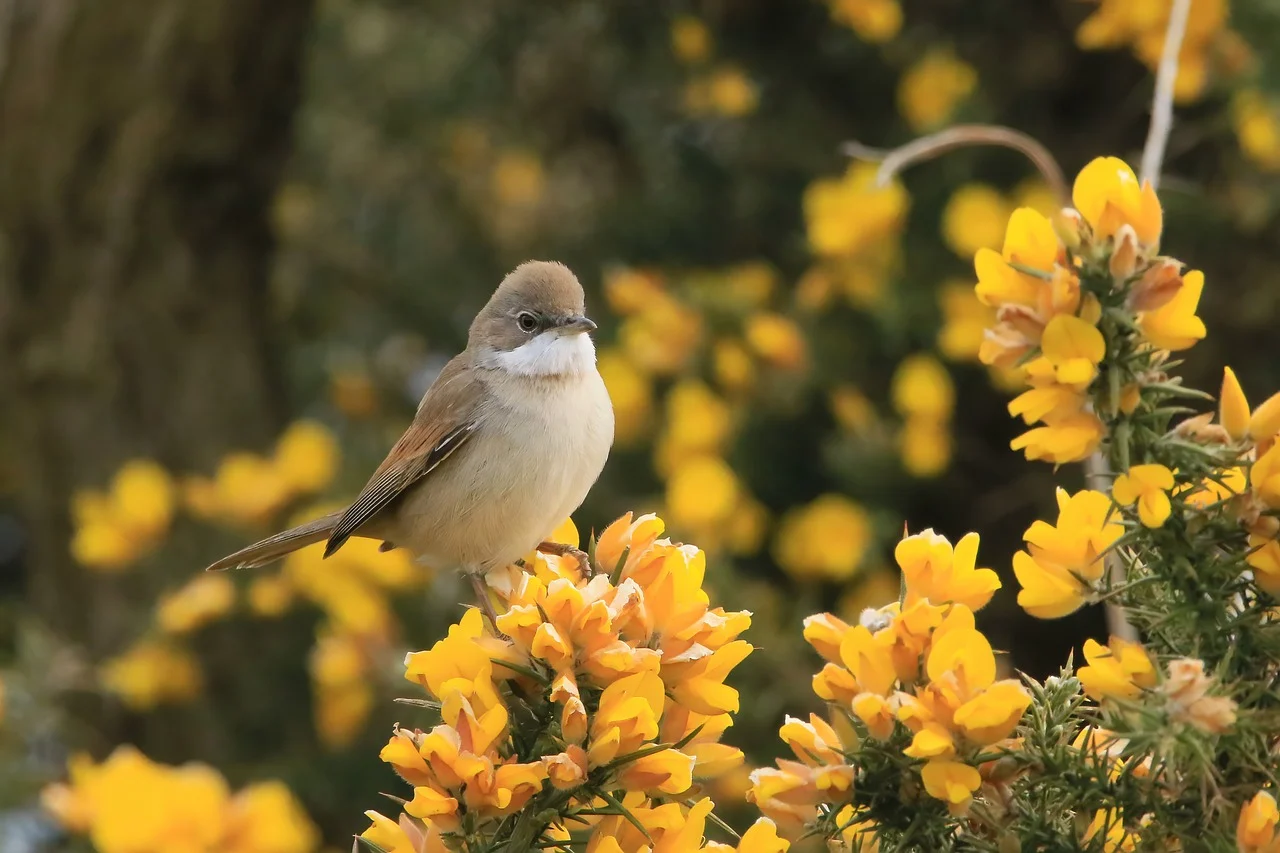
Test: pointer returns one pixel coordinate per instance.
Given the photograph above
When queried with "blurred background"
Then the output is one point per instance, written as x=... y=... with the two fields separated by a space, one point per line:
x=238 y=240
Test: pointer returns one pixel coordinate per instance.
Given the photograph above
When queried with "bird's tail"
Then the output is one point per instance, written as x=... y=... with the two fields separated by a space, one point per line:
x=282 y=544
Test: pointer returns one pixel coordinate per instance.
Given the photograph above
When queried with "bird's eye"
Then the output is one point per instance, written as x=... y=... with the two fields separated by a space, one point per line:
x=526 y=321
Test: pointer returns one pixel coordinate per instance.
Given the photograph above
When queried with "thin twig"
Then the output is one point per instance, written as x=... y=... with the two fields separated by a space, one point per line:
x=1162 y=101
x=893 y=161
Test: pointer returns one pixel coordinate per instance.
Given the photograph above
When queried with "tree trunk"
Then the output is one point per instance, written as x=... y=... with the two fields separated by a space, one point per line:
x=140 y=145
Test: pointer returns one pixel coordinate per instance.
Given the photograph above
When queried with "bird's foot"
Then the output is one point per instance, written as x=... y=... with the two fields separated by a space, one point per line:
x=560 y=549
x=485 y=599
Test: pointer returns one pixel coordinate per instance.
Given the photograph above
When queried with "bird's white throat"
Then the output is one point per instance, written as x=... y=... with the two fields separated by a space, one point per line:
x=549 y=354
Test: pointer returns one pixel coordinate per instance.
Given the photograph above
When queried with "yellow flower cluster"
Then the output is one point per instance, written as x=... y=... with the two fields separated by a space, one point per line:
x=724 y=90
x=853 y=227
x=825 y=539
x=918 y=666
x=129 y=804
x=152 y=673
x=1257 y=125
x=116 y=527
x=1141 y=24
x=932 y=89
x=875 y=21
x=1048 y=322
x=1123 y=670
x=249 y=489
x=623 y=672
x=661 y=334
x=925 y=397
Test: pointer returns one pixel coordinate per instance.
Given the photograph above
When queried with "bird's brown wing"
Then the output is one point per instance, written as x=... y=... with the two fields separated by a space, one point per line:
x=445 y=420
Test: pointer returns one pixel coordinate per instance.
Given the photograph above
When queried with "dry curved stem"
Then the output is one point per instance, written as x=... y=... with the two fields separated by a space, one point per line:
x=895 y=160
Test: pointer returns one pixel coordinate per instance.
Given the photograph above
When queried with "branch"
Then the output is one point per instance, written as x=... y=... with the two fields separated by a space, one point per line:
x=1096 y=467
x=1162 y=101
x=892 y=161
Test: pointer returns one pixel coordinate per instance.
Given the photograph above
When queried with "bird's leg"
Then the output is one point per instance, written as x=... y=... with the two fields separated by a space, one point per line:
x=484 y=599
x=560 y=549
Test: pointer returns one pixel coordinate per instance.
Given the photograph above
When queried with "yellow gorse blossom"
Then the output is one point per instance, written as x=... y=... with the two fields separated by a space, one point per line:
x=1120 y=670
x=252 y=489
x=116 y=527
x=824 y=539
x=1148 y=486
x=874 y=21
x=129 y=804
x=1063 y=562
x=1256 y=829
x=919 y=663
x=631 y=668
x=152 y=673
x=932 y=89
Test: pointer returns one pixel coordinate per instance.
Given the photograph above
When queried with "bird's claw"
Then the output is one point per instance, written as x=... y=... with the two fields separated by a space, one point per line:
x=560 y=549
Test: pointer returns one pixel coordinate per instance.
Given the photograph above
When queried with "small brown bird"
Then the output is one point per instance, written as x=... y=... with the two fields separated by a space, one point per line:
x=505 y=445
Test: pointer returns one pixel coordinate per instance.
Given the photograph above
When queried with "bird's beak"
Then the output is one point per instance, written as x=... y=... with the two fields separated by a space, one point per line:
x=576 y=325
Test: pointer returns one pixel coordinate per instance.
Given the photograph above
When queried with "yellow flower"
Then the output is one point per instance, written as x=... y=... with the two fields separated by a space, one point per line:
x=702 y=493
x=1149 y=486
x=921 y=386
x=1108 y=825
x=1174 y=326
x=307 y=457
x=725 y=91
x=1256 y=828
x=690 y=39
x=1063 y=561
x=152 y=673
x=993 y=714
x=1264 y=477
x=942 y=575
x=851 y=215
x=457 y=665
x=974 y=218
x=202 y=600
x=1121 y=670
x=661 y=337
x=629 y=290
x=965 y=321
x=628 y=717
x=1235 y=416
x=952 y=782
x=760 y=837
x=931 y=89
x=1264 y=559
x=1069 y=439
x=851 y=408
x=1073 y=348
x=270 y=595
x=669 y=771
x=265 y=817
x=699 y=423
x=875 y=21
x=115 y=528
x=129 y=803
x=1107 y=195
x=1257 y=126
x=825 y=539
x=815 y=743
x=632 y=537
x=777 y=340
x=631 y=392
x=858 y=835
x=517 y=178
x=925 y=446
x=732 y=365
x=403 y=837
x=731 y=93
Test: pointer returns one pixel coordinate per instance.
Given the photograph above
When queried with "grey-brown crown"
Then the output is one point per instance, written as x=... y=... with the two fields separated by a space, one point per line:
x=547 y=290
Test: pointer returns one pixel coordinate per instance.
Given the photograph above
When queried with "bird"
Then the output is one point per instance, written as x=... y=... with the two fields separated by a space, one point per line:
x=504 y=446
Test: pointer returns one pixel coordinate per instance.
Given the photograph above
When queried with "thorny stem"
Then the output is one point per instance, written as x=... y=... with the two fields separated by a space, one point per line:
x=893 y=161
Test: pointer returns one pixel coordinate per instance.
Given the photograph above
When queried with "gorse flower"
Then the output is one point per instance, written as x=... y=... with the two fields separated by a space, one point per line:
x=129 y=804
x=116 y=527
x=623 y=673
x=1062 y=566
